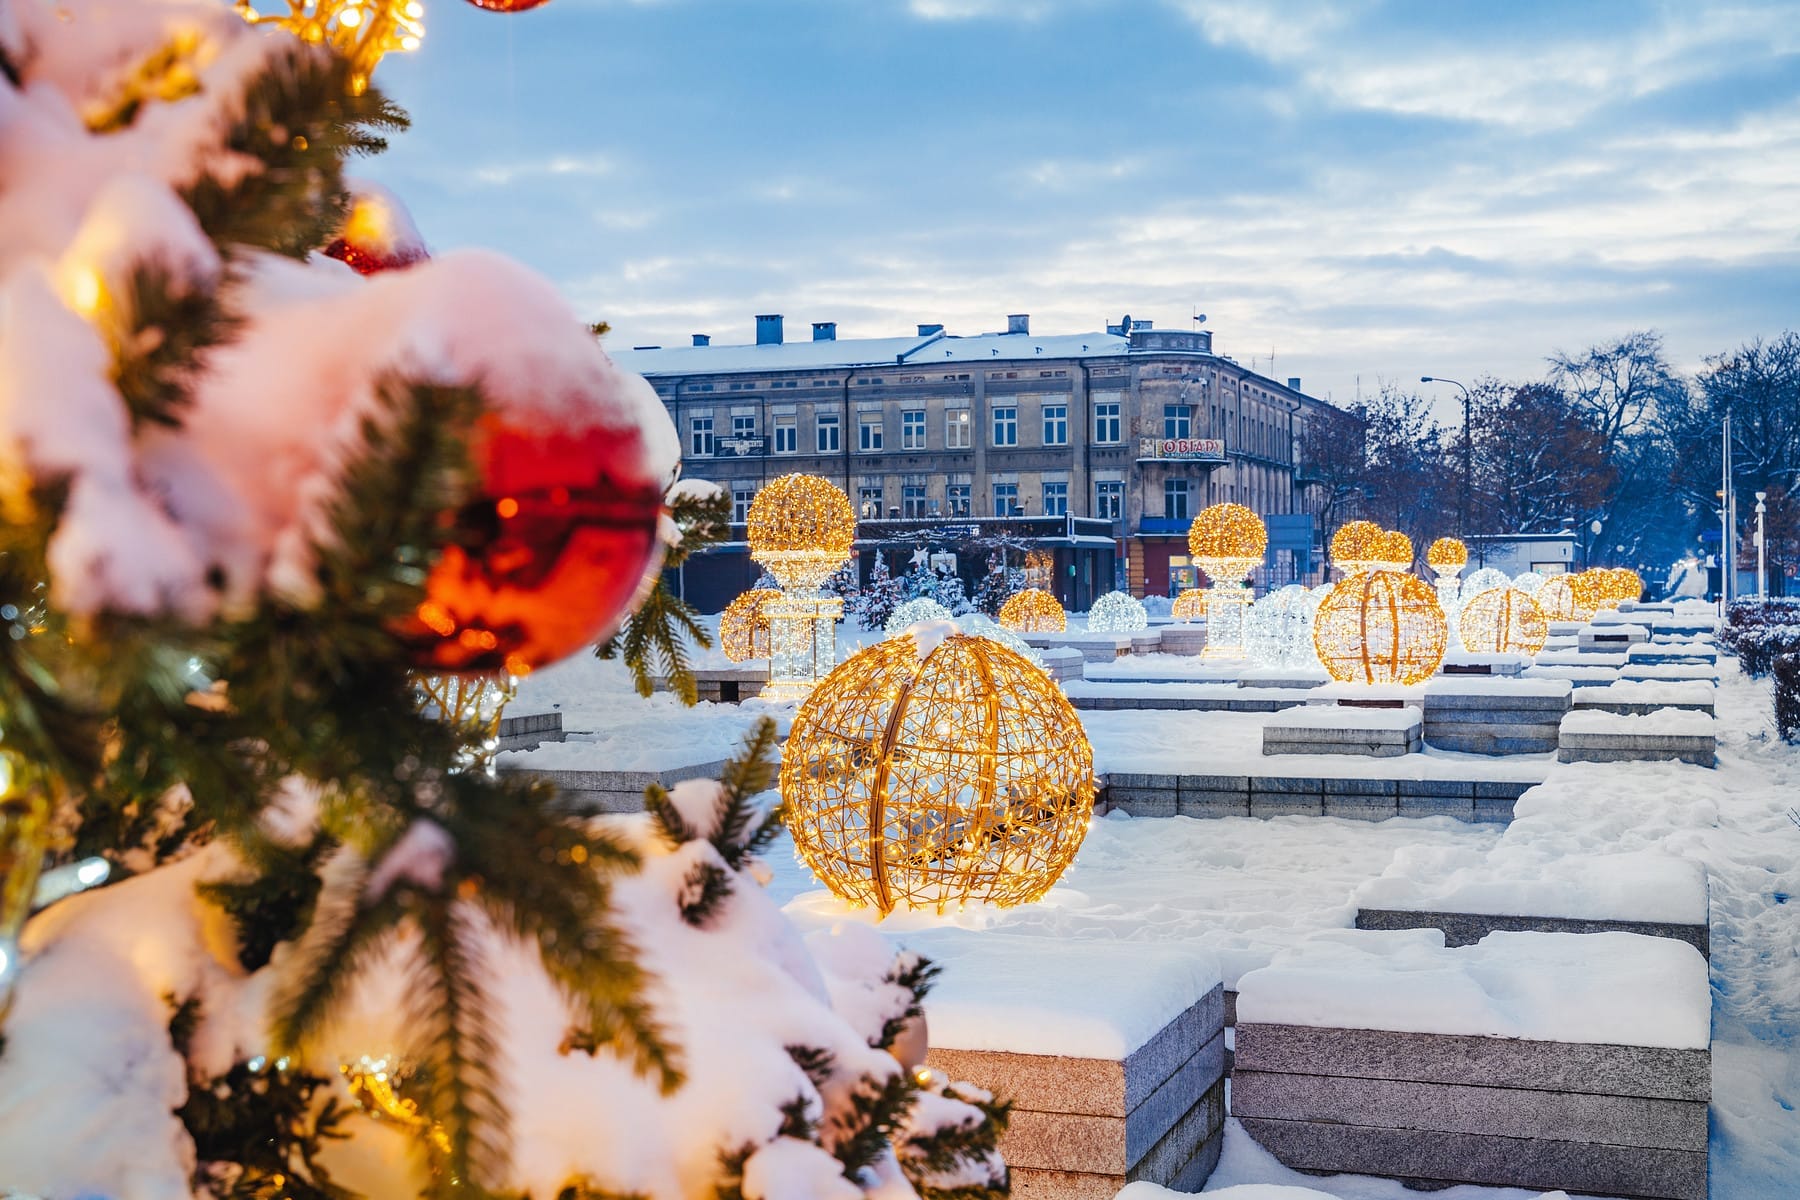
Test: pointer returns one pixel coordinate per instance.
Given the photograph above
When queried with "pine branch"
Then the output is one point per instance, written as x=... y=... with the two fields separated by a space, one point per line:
x=670 y=824
x=703 y=889
x=916 y=975
x=159 y=331
x=275 y=902
x=858 y=1138
x=345 y=937
x=457 y=1051
x=654 y=639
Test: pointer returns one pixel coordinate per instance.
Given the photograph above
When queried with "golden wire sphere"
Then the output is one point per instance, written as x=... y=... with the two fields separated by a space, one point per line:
x=1503 y=621
x=798 y=514
x=744 y=627
x=1620 y=584
x=1590 y=589
x=1356 y=544
x=1447 y=552
x=1556 y=597
x=1190 y=605
x=1033 y=611
x=1227 y=532
x=921 y=776
x=1396 y=550
x=1380 y=627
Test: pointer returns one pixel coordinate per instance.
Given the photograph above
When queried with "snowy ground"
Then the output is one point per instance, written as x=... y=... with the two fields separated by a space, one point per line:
x=1243 y=888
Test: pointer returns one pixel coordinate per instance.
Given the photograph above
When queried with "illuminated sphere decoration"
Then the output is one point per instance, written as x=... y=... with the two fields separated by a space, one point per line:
x=1355 y=545
x=1278 y=629
x=1502 y=621
x=1630 y=584
x=1033 y=611
x=1483 y=580
x=979 y=624
x=1447 y=556
x=1396 y=551
x=923 y=608
x=1380 y=627
x=1589 y=588
x=1556 y=597
x=1117 y=612
x=937 y=770
x=801 y=527
x=1189 y=606
x=744 y=626
x=1227 y=541
x=1528 y=582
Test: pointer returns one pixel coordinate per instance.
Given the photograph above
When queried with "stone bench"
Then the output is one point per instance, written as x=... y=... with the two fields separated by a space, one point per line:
x=527 y=731
x=1357 y=798
x=1336 y=729
x=726 y=685
x=613 y=791
x=1670 y=672
x=1531 y=1060
x=1128 y=1084
x=1494 y=716
x=1146 y=641
x=1483 y=665
x=1610 y=639
x=1576 y=677
x=1094 y=647
x=1162 y=696
x=1063 y=663
x=1183 y=639
x=1639 y=698
x=1684 y=653
x=1667 y=733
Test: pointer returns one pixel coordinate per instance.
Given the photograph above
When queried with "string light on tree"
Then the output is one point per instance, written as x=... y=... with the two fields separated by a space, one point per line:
x=744 y=626
x=1033 y=611
x=1117 y=612
x=801 y=527
x=363 y=32
x=1503 y=620
x=935 y=770
x=1380 y=627
x=1226 y=541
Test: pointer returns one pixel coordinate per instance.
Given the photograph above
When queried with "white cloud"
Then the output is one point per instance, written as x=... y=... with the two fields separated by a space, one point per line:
x=981 y=10
x=565 y=166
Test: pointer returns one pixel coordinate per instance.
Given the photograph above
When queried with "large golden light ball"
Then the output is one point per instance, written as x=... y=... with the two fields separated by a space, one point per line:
x=1189 y=606
x=921 y=775
x=1621 y=584
x=1556 y=597
x=1589 y=588
x=801 y=514
x=1227 y=532
x=1356 y=544
x=1033 y=611
x=1380 y=627
x=744 y=627
x=1396 y=550
x=1503 y=621
x=1447 y=553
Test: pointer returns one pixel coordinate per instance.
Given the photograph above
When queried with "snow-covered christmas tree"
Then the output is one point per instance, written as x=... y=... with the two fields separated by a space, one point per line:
x=263 y=462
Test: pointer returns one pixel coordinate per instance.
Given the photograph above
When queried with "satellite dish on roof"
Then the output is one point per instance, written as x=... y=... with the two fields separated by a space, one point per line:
x=1199 y=318
x=1125 y=324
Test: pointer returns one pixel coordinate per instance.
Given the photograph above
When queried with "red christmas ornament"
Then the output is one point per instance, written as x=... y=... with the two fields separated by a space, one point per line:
x=378 y=234
x=549 y=558
x=507 y=6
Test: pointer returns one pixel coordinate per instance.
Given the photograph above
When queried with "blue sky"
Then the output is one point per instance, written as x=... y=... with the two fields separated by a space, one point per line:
x=1373 y=191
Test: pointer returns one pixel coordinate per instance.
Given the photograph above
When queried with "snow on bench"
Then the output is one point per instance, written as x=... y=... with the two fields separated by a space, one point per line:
x=1706 y=671
x=1338 y=729
x=1535 y=1060
x=1640 y=697
x=1666 y=733
x=1113 y=1054
x=1495 y=716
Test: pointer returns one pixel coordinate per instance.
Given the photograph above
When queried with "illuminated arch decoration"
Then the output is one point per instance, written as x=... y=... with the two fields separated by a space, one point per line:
x=1117 y=612
x=801 y=527
x=744 y=626
x=1226 y=541
x=1033 y=611
x=1503 y=621
x=1355 y=546
x=926 y=776
x=1189 y=606
x=1380 y=627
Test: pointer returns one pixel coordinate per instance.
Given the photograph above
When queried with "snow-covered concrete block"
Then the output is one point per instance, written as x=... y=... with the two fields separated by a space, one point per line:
x=1576 y=677
x=1581 y=658
x=1494 y=716
x=1276 y=677
x=1670 y=672
x=591 y=791
x=1534 y=1060
x=1113 y=1055
x=1463 y=663
x=1337 y=729
x=1640 y=697
x=1610 y=638
x=1690 y=653
x=1095 y=647
x=1063 y=664
x=1667 y=733
x=1183 y=639
x=1146 y=641
x=529 y=730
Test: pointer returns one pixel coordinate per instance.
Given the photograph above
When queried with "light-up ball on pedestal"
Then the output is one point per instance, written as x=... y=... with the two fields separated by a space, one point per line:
x=1189 y=606
x=1556 y=597
x=1502 y=621
x=1117 y=612
x=1226 y=541
x=1447 y=557
x=1356 y=545
x=1589 y=588
x=1395 y=551
x=1380 y=627
x=744 y=626
x=1486 y=579
x=801 y=528
x=934 y=770
x=1033 y=611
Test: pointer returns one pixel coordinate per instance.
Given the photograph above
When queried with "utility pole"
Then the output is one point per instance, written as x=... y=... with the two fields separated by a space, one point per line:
x=1762 y=566
x=1462 y=516
x=1727 y=561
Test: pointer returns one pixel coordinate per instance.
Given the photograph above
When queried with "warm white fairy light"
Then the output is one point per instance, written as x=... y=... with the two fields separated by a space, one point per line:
x=1117 y=612
x=1278 y=629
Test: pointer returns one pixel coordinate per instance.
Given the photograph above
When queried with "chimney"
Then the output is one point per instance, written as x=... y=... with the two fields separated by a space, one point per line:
x=1018 y=323
x=768 y=329
x=703 y=339
x=928 y=330
x=1293 y=383
x=823 y=331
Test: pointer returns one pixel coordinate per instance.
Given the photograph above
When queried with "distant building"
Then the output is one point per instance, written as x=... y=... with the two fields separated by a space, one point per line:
x=1516 y=553
x=1098 y=448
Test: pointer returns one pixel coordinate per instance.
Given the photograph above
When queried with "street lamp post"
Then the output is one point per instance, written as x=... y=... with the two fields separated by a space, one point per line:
x=1462 y=516
x=1762 y=568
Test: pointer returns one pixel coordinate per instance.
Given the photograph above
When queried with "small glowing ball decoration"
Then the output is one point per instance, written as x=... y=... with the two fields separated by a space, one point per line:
x=924 y=608
x=801 y=527
x=1189 y=606
x=1395 y=551
x=1483 y=580
x=1033 y=611
x=1278 y=629
x=1117 y=612
x=1356 y=545
x=1227 y=541
x=935 y=770
x=1503 y=621
x=1380 y=627
x=1528 y=582
x=1447 y=557
x=744 y=626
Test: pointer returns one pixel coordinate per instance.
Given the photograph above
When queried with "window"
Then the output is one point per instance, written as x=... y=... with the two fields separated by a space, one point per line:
x=743 y=427
x=1006 y=425
x=868 y=500
x=1056 y=499
x=868 y=432
x=1178 y=421
x=956 y=429
x=1175 y=499
x=1106 y=422
x=700 y=443
x=1109 y=499
x=912 y=430
x=912 y=500
x=741 y=498
x=828 y=433
x=956 y=496
x=1006 y=499
x=1056 y=424
x=787 y=440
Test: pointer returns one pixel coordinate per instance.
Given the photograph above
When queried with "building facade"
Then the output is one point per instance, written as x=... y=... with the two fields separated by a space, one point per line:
x=1098 y=447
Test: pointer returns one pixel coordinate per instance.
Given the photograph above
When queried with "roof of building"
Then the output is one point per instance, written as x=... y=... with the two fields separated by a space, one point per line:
x=867 y=352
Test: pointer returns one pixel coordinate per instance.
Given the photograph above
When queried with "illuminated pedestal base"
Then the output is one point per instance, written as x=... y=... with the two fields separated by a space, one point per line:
x=1225 y=610
x=802 y=643
x=1449 y=592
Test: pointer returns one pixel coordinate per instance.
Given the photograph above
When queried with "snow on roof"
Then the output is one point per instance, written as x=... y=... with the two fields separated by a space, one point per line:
x=866 y=352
